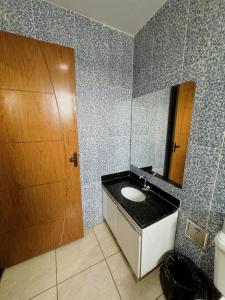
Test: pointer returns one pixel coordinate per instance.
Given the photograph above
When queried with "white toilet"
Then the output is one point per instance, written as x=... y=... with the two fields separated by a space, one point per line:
x=219 y=268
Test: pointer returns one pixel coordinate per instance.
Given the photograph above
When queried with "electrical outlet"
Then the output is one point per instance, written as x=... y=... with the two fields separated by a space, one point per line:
x=196 y=233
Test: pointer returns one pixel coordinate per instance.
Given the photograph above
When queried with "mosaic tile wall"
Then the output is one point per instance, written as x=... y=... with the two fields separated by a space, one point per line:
x=104 y=74
x=149 y=130
x=185 y=41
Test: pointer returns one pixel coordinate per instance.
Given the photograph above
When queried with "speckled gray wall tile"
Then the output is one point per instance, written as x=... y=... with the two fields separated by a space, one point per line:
x=54 y=24
x=206 y=30
x=92 y=159
x=188 y=44
x=159 y=49
x=92 y=43
x=119 y=121
x=199 y=178
x=217 y=214
x=140 y=151
x=92 y=208
x=149 y=130
x=104 y=104
x=106 y=50
x=165 y=81
x=209 y=116
x=17 y=17
x=118 y=148
x=143 y=56
x=104 y=62
x=159 y=108
x=104 y=77
x=169 y=37
x=120 y=59
x=104 y=66
x=56 y=38
x=140 y=115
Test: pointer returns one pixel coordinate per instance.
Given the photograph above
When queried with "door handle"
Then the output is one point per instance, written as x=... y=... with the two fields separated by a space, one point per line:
x=73 y=159
x=175 y=147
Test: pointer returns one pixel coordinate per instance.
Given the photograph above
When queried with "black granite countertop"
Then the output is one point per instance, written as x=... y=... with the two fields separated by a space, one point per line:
x=157 y=205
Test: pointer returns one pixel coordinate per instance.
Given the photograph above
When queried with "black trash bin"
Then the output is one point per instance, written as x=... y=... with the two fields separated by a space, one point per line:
x=182 y=280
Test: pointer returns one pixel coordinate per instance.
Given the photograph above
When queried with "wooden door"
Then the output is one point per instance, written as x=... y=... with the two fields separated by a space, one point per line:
x=184 y=107
x=40 y=199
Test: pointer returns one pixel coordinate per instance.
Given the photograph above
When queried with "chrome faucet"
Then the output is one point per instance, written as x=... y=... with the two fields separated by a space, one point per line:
x=146 y=187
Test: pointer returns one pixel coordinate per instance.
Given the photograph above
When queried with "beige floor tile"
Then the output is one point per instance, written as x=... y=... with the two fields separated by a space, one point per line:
x=162 y=297
x=106 y=240
x=148 y=288
x=29 y=278
x=77 y=256
x=95 y=283
x=47 y=295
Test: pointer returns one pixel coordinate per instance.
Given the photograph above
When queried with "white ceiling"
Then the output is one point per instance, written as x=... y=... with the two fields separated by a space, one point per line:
x=125 y=15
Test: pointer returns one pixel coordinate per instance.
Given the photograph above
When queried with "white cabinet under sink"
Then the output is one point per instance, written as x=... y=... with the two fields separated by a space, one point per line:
x=110 y=213
x=143 y=248
x=129 y=240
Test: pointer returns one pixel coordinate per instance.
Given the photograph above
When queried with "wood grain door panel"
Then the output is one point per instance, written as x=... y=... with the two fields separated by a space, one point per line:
x=73 y=218
x=30 y=206
x=3 y=179
x=27 y=117
x=8 y=216
x=41 y=203
x=185 y=102
x=186 y=121
x=61 y=70
x=29 y=164
x=39 y=186
x=61 y=58
x=64 y=87
x=22 y=65
x=30 y=241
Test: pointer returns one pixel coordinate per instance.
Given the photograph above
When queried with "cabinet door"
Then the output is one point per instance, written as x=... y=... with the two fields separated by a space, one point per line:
x=129 y=240
x=157 y=239
x=110 y=213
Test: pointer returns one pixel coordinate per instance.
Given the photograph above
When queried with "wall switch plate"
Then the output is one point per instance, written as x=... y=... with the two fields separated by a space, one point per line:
x=196 y=233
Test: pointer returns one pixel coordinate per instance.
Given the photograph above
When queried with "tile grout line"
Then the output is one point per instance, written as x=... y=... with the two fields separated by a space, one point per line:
x=195 y=63
x=181 y=66
x=113 y=280
x=56 y=277
x=51 y=286
x=131 y=108
x=153 y=49
x=185 y=38
x=212 y=197
x=107 y=264
x=159 y=296
x=81 y=271
x=112 y=254
x=33 y=297
x=215 y=181
x=57 y=284
x=198 y=62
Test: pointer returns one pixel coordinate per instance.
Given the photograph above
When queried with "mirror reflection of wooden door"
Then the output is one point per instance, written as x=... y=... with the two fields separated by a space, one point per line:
x=40 y=200
x=183 y=115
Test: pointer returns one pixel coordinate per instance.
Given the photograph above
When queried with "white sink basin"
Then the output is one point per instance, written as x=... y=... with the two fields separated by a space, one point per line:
x=133 y=194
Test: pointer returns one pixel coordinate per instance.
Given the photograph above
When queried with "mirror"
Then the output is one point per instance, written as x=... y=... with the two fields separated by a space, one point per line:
x=160 y=131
